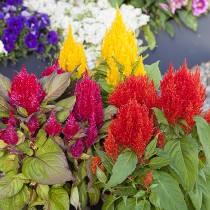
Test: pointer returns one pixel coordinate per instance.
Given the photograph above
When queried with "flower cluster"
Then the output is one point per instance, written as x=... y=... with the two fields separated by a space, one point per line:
x=182 y=95
x=89 y=21
x=87 y=116
x=23 y=31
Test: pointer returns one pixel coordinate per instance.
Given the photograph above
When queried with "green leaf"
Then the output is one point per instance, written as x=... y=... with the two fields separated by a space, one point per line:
x=109 y=112
x=49 y=165
x=16 y=202
x=58 y=199
x=41 y=138
x=115 y=3
x=153 y=73
x=154 y=199
x=149 y=36
x=101 y=175
x=22 y=111
x=107 y=162
x=7 y=162
x=196 y=196
x=143 y=205
x=9 y=186
x=160 y=116
x=104 y=128
x=43 y=191
x=105 y=86
x=109 y=203
x=124 y=166
x=170 y=29
x=170 y=195
x=188 y=19
x=158 y=162
x=74 y=198
x=65 y=106
x=203 y=130
x=150 y=149
x=137 y=3
x=5 y=85
x=184 y=160
x=83 y=197
x=56 y=86
x=94 y=195
x=130 y=204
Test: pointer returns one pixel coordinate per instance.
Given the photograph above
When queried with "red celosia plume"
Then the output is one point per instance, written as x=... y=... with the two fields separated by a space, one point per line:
x=207 y=116
x=138 y=88
x=96 y=162
x=132 y=128
x=26 y=92
x=182 y=95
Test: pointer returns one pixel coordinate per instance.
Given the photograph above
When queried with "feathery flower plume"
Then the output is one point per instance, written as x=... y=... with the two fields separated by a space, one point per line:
x=52 y=126
x=120 y=45
x=96 y=162
x=33 y=125
x=72 y=55
x=132 y=128
x=26 y=92
x=9 y=135
x=147 y=179
x=207 y=116
x=138 y=88
x=77 y=149
x=182 y=95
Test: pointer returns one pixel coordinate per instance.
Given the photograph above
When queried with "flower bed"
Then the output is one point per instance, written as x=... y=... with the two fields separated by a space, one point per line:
x=119 y=133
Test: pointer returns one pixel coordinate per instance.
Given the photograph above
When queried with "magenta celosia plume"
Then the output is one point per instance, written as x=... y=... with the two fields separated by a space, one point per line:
x=53 y=127
x=26 y=92
x=88 y=101
x=77 y=149
x=33 y=125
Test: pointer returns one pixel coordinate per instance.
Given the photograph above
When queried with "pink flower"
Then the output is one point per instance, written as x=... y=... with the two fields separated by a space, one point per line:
x=199 y=6
x=177 y=4
x=92 y=132
x=76 y=149
x=71 y=127
x=33 y=125
x=88 y=101
x=164 y=6
x=26 y=92
x=9 y=135
x=53 y=68
x=52 y=126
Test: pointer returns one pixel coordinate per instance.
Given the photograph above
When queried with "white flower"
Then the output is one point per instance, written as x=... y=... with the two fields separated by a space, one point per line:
x=2 y=49
x=88 y=21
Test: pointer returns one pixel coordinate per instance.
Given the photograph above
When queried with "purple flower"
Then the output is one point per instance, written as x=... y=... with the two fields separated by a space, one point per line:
x=1 y=15
x=52 y=37
x=10 y=2
x=8 y=45
x=22 y=19
x=15 y=23
x=40 y=48
x=32 y=23
x=30 y=41
x=11 y=34
x=199 y=7
x=43 y=21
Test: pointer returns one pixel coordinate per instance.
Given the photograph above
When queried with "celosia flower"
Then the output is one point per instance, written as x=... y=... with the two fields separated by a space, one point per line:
x=199 y=6
x=88 y=101
x=72 y=55
x=132 y=128
x=182 y=95
x=33 y=125
x=77 y=149
x=10 y=136
x=147 y=179
x=119 y=43
x=177 y=4
x=92 y=132
x=138 y=88
x=207 y=116
x=26 y=92
x=56 y=67
x=52 y=126
x=96 y=162
x=71 y=127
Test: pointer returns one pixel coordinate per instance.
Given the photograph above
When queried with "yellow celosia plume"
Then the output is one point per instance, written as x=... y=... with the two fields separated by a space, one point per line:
x=72 y=55
x=120 y=45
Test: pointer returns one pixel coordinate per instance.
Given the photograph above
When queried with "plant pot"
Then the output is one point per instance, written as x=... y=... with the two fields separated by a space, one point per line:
x=194 y=46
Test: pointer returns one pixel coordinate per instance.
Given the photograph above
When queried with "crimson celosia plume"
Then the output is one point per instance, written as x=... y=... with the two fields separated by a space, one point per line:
x=26 y=92
x=207 y=116
x=133 y=128
x=76 y=149
x=33 y=125
x=182 y=95
x=53 y=127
